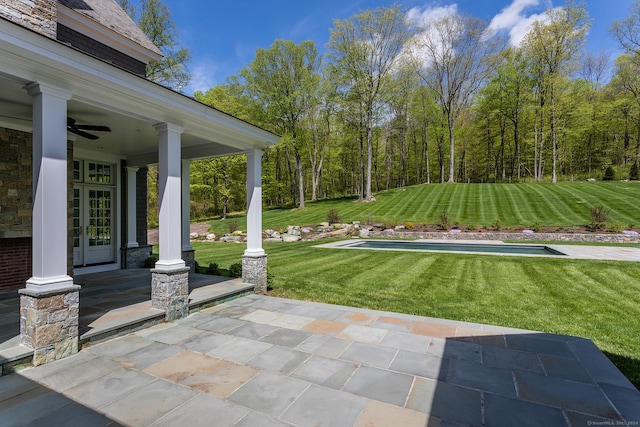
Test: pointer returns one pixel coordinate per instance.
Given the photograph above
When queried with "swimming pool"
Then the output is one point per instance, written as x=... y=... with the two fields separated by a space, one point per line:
x=491 y=248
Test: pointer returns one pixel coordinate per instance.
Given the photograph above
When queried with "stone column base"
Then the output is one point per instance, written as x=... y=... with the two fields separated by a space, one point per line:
x=189 y=258
x=135 y=257
x=254 y=271
x=49 y=323
x=170 y=292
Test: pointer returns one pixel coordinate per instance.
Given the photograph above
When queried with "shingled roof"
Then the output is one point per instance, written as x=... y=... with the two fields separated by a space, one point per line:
x=109 y=14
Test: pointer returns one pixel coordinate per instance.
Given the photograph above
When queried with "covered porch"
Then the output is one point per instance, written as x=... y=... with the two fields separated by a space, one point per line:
x=83 y=133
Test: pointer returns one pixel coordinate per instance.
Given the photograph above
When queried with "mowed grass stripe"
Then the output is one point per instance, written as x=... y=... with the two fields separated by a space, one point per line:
x=562 y=204
x=625 y=200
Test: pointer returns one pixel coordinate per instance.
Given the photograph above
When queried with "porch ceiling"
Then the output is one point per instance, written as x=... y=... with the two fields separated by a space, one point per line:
x=105 y=95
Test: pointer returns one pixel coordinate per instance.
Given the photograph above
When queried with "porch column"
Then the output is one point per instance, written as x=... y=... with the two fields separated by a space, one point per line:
x=188 y=254
x=254 y=260
x=132 y=239
x=49 y=302
x=170 y=282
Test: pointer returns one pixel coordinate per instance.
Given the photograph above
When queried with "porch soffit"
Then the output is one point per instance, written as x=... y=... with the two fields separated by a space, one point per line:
x=106 y=95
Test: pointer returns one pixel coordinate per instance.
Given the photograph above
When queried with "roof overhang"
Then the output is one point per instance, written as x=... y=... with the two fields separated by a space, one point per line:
x=107 y=95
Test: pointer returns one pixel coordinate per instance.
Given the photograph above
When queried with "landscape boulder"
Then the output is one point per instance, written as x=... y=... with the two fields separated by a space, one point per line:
x=293 y=230
x=286 y=237
x=229 y=238
x=211 y=237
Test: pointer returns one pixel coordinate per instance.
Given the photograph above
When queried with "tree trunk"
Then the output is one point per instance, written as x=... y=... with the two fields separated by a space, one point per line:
x=369 y=154
x=554 y=140
x=300 y=177
x=451 y=153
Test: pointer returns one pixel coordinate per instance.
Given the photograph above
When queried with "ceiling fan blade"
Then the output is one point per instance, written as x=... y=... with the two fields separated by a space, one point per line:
x=81 y=133
x=93 y=127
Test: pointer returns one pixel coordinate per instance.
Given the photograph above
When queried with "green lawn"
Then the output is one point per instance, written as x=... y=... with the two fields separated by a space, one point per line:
x=599 y=300
x=564 y=204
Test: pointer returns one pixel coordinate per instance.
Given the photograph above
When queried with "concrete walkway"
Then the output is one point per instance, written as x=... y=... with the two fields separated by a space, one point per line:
x=263 y=361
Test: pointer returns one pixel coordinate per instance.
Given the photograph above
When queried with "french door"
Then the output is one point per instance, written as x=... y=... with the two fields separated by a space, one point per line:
x=94 y=231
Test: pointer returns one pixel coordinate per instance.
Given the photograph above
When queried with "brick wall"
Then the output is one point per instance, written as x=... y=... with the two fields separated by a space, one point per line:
x=99 y=50
x=15 y=263
x=37 y=15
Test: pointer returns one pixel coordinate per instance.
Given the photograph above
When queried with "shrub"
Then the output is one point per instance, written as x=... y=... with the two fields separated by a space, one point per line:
x=614 y=227
x=445 y=221
x=599 y=217
x=213 y=269
x=535 y=226
x=233 y=226
x=333 y=216
x=471 y=227
x=633 y=173
x=409 y=225
x=150 y=262
x=609 y=174
x=496 y=226
x=270 y=279
x=235 y=270
x=390 y=225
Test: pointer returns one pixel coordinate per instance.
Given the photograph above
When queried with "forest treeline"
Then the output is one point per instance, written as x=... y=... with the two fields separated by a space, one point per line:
x=401 y=99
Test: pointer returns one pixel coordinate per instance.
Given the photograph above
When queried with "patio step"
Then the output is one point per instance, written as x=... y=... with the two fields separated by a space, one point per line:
x=132 y=318
x=125 y=320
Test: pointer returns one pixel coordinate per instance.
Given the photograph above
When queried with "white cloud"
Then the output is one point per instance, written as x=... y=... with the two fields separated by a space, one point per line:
x=420 y=16
x=204 y=76
x=515 y=20
x=512 y=15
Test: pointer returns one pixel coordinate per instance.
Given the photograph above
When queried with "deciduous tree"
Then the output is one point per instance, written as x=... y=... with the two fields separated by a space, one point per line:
x=365 y=49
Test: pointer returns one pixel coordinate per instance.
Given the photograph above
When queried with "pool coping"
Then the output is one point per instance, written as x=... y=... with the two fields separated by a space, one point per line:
x=601 y=253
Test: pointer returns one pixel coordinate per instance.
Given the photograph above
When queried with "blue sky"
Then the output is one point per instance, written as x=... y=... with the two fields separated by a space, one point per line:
x=224 y=35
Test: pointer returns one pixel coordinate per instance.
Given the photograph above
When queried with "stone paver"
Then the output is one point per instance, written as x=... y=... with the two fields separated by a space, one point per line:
x=201 y=411
x=380 y=384
x=324 y=371
x=370 y=355
x=323 y=407
x=269 y=393
x=260 y=361
x=149 y=403
x=220 y=379
x=109 y=388
x=378 y=414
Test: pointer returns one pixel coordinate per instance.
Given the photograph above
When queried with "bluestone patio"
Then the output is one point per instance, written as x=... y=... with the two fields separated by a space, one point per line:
x=264 y=361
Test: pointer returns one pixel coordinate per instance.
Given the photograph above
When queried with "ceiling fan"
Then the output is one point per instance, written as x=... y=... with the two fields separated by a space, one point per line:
x=80 y=129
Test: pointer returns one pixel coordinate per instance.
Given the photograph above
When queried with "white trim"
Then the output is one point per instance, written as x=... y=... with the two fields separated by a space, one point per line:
x=90 y=28
x=170 y=265
x=100 y=84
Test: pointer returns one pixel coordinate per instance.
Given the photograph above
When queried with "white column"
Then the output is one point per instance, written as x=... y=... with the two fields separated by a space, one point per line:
x=186 y=205
x=169 y=198
x=254 y=204
x=132 y=239
x=49 y=188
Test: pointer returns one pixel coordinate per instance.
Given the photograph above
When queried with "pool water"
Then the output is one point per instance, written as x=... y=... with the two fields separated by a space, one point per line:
x=499 y=248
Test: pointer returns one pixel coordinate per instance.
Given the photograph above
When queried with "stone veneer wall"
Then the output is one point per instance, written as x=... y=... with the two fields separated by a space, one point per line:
x=37 y=15
x=16 y=200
